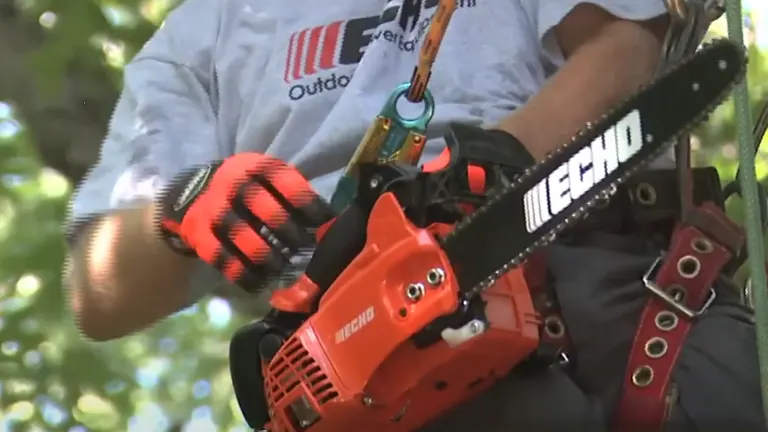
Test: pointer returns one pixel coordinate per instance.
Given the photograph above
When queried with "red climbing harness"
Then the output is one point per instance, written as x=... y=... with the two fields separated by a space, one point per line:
x=681 y=285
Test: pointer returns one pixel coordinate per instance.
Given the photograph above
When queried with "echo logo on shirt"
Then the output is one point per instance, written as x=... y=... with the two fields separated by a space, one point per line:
x=341 y=45
x=586 y=168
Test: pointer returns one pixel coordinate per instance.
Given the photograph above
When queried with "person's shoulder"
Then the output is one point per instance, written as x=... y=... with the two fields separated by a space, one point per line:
x=194 y=16
x=197 y=9
x=187 y=35
x=206 y=19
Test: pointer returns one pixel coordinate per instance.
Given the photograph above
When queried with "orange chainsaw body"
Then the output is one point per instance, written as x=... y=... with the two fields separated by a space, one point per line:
x=352 y=365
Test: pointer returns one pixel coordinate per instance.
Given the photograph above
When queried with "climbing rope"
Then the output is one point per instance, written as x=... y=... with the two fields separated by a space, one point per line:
x=429 y=49
x=752 y=205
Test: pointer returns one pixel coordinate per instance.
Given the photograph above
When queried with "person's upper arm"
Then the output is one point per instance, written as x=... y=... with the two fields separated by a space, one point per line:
x=545 y=15
x=164 y=121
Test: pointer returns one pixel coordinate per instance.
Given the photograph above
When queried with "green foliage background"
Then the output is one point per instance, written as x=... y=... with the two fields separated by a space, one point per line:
x=173 y=376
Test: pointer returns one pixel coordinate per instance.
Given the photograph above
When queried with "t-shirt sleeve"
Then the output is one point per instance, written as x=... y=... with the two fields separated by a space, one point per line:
x=546 y=14
x=164 y=120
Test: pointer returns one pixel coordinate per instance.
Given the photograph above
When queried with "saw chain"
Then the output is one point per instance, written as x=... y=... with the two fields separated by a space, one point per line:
x=551 y=196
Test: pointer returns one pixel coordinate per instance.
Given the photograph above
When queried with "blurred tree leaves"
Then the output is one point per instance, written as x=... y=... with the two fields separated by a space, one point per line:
x=715 y=142
x=59 y=80
x=178 y=368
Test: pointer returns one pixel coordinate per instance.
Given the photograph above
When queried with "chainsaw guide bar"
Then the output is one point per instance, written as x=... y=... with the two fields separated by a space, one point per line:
x=551 y=196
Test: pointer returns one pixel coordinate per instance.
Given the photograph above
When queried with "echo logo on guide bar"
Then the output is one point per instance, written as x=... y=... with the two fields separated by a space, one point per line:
x=582 y=171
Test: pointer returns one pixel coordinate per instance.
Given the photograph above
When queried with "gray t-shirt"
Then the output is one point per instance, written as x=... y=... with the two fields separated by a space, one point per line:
x=303 y=80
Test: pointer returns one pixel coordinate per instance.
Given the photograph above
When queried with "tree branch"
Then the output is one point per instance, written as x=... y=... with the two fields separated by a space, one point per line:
x=67 y=124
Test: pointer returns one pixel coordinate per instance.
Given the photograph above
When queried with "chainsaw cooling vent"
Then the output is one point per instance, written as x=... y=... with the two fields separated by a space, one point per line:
x=294 y=365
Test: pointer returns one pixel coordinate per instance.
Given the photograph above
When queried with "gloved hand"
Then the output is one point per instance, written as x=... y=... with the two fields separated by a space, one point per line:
x=246 y=215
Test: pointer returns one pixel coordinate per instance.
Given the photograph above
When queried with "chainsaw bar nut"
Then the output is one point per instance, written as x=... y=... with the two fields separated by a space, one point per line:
x=415 y=292
x=435 y=276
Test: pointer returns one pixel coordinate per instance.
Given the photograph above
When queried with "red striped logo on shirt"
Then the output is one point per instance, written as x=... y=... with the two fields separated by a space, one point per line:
x=312 y=50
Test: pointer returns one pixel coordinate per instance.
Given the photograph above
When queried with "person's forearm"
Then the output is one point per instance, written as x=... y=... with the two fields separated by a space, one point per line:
x=122 y=276
x=601 y=73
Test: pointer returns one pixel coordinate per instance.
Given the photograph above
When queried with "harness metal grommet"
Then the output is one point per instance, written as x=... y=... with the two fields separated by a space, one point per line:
x=702 y=245
x=554 y=327
x=688 y=266
x=677 y=292
x=642 y=376
x=645 y=194
x=666 y=321
x=656 y=347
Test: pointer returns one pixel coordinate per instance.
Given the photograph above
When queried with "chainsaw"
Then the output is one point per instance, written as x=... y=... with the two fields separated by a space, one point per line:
x=408 y=308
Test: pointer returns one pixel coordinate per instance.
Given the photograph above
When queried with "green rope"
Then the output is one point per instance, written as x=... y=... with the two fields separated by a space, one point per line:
x=748 y=180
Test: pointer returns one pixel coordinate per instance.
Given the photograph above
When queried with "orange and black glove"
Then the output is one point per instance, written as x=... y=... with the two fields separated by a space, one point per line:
x=246 y=215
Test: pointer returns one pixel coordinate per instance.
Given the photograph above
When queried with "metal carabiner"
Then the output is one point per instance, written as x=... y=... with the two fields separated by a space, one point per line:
x=678 y=9
x=391 y=137
x=406 y=137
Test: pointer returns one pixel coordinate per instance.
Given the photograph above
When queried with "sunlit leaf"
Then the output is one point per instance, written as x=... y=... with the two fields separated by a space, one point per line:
x=20 y=387
x=28 y=285
x=53 y=184
x=22 y=411
x=96 y=413
x=7 y=213
x=51 y=352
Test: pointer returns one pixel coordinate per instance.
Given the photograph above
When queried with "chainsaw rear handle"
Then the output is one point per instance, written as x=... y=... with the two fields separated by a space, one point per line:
x=245 y=370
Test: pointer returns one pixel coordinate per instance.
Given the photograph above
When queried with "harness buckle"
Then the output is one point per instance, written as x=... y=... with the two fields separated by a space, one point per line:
x=649 y=282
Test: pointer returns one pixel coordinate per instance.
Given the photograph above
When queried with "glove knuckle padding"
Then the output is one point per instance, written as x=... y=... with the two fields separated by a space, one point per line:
x=248 y=217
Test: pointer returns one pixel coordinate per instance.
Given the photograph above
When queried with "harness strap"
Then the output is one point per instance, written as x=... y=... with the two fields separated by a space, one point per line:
x=555 y=342
x=681 y=283
x=649 y=203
